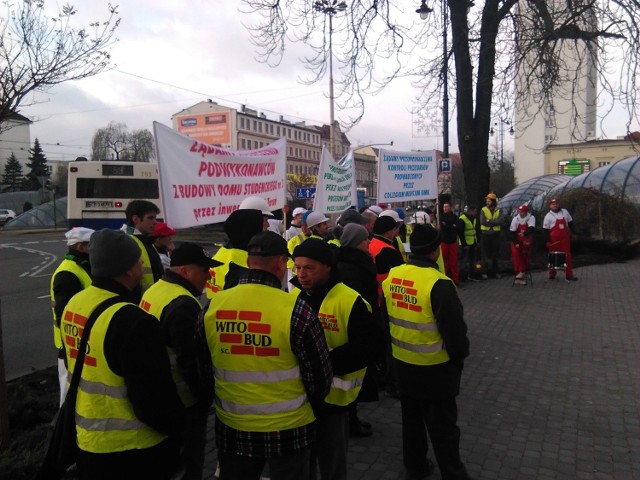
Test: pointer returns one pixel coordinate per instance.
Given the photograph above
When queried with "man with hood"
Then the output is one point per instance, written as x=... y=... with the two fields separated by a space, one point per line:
x=239 y=227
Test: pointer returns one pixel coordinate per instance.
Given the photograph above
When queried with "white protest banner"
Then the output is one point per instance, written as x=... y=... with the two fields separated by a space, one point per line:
x=203 y=184
x=407 y=176
x=336 y=186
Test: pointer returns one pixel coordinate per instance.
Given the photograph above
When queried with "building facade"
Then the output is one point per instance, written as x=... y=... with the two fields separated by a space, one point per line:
x=578 y=158
x=564 y=115
x=249 y=129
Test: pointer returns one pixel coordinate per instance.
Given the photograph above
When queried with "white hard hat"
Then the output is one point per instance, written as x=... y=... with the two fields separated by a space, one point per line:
x=316 y=218
x=391 y=213
x=420 y=217
x=299 y=211
x=375 y=209
x=78 y=235
x=256 y=203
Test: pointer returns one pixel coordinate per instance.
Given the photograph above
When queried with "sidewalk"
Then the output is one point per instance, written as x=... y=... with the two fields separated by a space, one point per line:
x=551 y=389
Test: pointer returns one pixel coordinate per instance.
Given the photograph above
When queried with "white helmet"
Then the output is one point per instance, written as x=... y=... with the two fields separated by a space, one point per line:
x=420 y=217
x=256 y=203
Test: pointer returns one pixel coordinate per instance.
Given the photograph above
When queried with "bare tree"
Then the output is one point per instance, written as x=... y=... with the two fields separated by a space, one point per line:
x=37 y=52
x=141 y=146
x=540 y=45
x=115 y=142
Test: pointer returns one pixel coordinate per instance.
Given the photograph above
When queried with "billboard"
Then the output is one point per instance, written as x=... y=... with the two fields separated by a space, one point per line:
x=212 y=128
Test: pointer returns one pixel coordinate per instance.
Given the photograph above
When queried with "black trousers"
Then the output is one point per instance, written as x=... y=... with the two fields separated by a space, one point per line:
x=439 y=418
x=490 y=244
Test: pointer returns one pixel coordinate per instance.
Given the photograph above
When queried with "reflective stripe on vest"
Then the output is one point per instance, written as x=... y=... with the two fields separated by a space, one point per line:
x=154 y=301
x=218 y=274
x=490 y=216
x=469 y=230
x=334 y=317
x=415 y=338
x=147 y=271
x=105 y=420
x=70 y=266
x=258 y=386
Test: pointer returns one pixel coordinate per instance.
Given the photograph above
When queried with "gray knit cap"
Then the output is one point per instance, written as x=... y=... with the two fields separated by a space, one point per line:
x=112 y=253
x=352 y=235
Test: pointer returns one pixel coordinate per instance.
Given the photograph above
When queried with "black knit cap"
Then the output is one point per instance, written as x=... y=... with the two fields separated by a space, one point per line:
x=424 y=239
x=383 y=224
x=267 y=244
x=315 y=249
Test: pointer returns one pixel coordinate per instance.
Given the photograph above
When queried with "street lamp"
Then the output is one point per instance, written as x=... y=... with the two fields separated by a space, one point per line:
x=330 y=8
x=500 y=125
x=424 y=11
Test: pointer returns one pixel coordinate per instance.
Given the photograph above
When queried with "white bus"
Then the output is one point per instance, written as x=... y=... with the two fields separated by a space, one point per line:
x=99 y=192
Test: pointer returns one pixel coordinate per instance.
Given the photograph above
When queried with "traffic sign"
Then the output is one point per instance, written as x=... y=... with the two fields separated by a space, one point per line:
x=445 y=164
x=308 y=192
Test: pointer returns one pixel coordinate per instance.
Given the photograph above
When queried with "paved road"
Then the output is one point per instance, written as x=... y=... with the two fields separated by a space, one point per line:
x=551 y=389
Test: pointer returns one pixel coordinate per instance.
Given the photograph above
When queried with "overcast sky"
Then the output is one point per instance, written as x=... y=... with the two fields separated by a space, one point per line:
x=171 y=55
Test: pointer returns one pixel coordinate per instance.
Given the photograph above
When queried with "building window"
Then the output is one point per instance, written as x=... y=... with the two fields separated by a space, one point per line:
x=241 y=122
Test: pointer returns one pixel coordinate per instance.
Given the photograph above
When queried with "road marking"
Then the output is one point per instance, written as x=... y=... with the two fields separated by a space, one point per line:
x=51 y=258
x=43 y=296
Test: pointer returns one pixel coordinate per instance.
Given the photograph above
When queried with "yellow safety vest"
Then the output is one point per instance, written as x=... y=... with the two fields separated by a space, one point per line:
x=105 y=420
x=218 y=274
x=291 y=246
x=154 y=301
x=258 y=386
x=469 y=230
x=335 y=241
x=415 y=338
x=70 y=266
x=147 y=271
x=400 y=246
x=490 y=216
x=334 y=317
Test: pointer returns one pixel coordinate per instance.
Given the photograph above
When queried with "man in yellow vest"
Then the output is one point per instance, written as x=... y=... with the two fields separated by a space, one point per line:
x=271 y=365
x=468 y=243
x=173 y=300
x=129 y=417
x=239 y=227
x=141 y=221
x=429 y=345
x=355 y=341
x=490 y=226
x=72 y=275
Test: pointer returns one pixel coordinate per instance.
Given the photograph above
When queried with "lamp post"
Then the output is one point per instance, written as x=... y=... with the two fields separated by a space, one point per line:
x=424 y=11
x=330 y=8
x=500 y=126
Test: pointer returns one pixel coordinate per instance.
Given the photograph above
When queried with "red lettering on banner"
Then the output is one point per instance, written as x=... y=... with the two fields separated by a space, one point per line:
x=250 y=316
x=227 y=314
x=231 y=337
x=267 y=352
x=241 y=350
x=259 y=328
